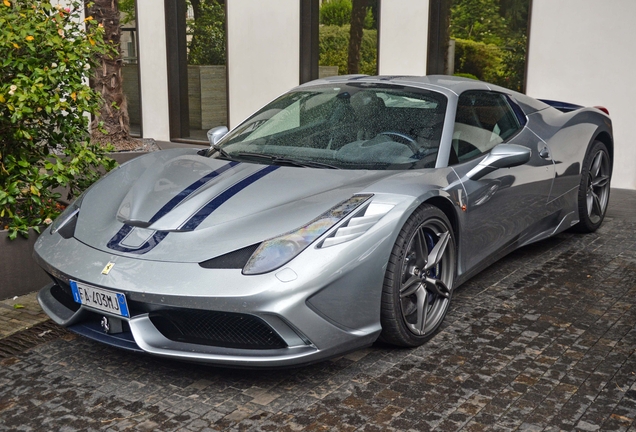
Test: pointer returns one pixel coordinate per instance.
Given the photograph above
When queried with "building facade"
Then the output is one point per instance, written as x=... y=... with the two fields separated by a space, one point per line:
x=579 y=52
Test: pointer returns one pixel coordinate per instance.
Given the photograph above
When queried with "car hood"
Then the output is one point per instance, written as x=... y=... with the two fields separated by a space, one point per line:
x=175 y=205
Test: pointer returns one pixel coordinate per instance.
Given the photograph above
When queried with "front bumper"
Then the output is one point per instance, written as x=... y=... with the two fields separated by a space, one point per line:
x=319 y=311
x=142 y=335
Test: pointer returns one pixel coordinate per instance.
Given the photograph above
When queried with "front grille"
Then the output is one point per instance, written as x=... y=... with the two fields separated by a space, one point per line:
x=222 y=329
x=62 y=293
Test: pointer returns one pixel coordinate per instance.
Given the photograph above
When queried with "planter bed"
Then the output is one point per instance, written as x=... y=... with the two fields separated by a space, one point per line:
x=19 y=274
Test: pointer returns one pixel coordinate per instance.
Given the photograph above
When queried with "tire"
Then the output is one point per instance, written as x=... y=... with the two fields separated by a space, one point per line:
x=415 y=302
x=594 y=188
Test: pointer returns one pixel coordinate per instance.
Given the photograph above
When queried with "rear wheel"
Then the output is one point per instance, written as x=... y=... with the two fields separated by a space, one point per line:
x=418 y=283
x=594 y=189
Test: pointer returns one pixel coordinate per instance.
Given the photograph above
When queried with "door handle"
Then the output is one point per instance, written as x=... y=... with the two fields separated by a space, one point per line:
x=544 y=153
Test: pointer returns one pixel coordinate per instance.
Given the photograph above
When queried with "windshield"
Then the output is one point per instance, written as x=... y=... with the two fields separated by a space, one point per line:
x=347 y=126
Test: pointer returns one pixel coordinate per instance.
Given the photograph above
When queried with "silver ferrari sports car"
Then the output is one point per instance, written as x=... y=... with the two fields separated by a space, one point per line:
x=345 y=211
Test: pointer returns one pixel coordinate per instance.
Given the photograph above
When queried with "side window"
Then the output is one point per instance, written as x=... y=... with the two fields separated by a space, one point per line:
x=483 y=120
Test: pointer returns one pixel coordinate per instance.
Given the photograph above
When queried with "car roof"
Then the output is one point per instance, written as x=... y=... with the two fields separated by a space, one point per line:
x=444 y=83
x=451 y=86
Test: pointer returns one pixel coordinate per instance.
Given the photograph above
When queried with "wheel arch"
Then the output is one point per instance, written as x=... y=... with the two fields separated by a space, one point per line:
x=606 y=139
x=449 y=210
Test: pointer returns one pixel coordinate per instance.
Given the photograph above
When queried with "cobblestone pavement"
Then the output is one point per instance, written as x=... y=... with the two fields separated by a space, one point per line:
x=19 y=313
x=542 y=340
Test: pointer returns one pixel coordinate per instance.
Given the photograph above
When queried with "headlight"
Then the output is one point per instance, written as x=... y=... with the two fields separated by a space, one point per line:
x=274 y=253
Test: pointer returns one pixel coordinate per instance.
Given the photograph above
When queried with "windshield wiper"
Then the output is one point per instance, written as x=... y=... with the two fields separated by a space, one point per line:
x=216 y=149
x=220 y=151
x=283 y=161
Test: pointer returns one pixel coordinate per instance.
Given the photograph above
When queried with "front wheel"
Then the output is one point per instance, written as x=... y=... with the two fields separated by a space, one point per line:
x=594 y=188
x=418 y=283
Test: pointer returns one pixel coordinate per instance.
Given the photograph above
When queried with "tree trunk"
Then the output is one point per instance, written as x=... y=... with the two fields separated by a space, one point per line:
x=108 y=79
x=196 y=9
x=358 y=13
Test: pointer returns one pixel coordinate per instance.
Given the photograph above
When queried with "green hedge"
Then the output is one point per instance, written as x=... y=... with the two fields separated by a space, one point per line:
x=484 y=61
x=338 y=12
x=334 y=45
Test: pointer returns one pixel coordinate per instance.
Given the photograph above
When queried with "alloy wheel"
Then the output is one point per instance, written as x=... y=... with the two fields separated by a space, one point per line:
x=427 y=274
x=598 y=186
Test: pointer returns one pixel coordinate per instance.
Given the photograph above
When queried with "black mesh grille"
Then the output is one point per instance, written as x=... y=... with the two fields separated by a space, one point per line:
x=233 y=260
x=62 y=293
x=221 y=329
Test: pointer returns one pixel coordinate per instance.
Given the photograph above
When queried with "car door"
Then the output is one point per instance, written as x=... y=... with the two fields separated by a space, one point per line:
x=506 y=206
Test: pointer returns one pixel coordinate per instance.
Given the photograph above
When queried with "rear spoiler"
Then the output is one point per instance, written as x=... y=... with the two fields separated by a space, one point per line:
x=568 y=107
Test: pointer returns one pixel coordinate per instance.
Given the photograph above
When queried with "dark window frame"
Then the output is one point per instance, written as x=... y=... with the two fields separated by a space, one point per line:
x=310 y=40
x=141 y=101
x=176 y=47
x=438 y=22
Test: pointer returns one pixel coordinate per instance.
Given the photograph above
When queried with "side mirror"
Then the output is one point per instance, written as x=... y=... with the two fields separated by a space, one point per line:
x=215 y=134
x=501 y=156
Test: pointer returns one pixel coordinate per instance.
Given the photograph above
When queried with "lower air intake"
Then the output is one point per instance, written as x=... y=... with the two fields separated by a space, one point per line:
x=222 y=329
x=63 y=294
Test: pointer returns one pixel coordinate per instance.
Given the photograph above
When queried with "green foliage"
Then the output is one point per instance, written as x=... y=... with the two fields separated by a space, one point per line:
x=207 y=45
x=516 y=14
x=491 y=39
x=334 y=45
x=466 y=75
x=127 y=7
x=338 y=13
x=45 y=56
x=477 y=20
x=514 y=64
x=479 y=59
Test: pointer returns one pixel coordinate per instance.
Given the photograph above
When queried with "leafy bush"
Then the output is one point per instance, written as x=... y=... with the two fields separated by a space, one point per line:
x=477 y=20
x=514 y=64
x=207 y=45
x=338 y=13
x=127 y=8
x=334 y=46
x=465 y=75
x=479 y=59
x=45 y=58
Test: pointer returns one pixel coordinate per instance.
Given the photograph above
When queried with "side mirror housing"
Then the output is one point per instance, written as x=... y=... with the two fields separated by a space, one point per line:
x=501 y=156
x=215 y=134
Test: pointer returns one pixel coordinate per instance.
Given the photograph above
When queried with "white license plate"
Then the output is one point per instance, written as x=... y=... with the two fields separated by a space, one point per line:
x=101 y=299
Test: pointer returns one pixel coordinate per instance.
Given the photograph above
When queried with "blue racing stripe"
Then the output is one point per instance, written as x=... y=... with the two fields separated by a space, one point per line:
x=157 y=237
x=176 y=200
x=202 y=214
x=149 y=245
x=196 y=219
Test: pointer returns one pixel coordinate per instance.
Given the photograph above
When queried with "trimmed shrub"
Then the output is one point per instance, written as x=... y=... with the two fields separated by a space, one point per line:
x=45 y=57
x=334 y=45
x=338 y=13
x=484 y=61
x=465 y=75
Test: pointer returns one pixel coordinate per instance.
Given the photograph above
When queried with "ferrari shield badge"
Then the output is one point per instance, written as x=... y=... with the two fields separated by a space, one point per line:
x=108 y=267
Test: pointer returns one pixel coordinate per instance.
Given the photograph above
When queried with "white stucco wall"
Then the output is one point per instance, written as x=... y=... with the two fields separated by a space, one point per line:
x=403 y=37
x=263 y=53
x=581 y=51
x=153 y=69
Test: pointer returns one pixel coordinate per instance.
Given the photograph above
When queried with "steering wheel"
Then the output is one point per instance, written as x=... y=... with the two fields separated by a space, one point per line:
x=405 y=139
